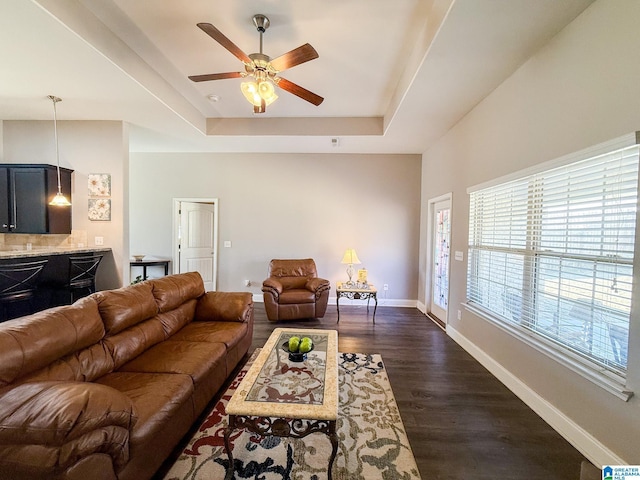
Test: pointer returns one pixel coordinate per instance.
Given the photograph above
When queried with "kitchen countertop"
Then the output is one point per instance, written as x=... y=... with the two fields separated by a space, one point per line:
x=16 y=251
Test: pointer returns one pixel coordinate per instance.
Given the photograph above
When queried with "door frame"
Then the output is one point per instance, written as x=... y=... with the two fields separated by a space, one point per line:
x=175 y=232
x=429 y=256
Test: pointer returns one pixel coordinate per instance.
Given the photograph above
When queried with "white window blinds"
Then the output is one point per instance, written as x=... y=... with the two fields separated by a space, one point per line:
x=551 y=253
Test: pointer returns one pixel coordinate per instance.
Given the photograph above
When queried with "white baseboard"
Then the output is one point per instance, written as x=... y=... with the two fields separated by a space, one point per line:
x=382 y=302
x=422 y=307
x=584 y=442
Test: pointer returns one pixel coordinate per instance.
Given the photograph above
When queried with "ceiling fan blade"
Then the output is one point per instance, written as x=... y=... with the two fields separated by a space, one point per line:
x=214 y=76
x=219 y=37
x=295 y=57
x=297 y=90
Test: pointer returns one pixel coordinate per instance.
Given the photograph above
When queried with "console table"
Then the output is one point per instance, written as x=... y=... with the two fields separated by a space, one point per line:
x=151 y=262
x=355 y=293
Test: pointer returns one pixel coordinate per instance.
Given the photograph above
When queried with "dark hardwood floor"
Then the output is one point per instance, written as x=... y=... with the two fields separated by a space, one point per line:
x=462 y=423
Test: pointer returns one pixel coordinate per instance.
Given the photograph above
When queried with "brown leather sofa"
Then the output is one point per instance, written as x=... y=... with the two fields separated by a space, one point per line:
x=105 y=388
x=294 y=291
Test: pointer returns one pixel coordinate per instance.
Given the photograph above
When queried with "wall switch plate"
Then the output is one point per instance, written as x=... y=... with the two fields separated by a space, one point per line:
x=227 y=244
x=99 y=240
x=459 y=315
x=459 y=256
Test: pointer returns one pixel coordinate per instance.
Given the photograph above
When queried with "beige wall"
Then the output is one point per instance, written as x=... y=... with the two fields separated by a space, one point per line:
x=85 y=147
x=289 y=206
x=583 y=88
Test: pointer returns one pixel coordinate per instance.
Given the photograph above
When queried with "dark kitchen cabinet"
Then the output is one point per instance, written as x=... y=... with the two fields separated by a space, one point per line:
x=25 y=193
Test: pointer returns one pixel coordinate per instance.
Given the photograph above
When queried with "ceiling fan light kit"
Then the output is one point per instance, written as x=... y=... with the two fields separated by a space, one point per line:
x=259 y=89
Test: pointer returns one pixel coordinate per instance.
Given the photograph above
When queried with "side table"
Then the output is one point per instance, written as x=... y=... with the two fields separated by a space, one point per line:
x=354 y=293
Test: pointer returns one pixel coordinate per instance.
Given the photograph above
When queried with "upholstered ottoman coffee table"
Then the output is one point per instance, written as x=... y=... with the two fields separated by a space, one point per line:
x=288 y=398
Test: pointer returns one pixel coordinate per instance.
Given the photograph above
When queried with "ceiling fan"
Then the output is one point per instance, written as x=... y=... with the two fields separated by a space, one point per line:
x=260 y=91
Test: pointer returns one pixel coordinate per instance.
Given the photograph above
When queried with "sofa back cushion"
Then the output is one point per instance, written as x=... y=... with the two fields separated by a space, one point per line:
x=128 y=344
x=305 y=267
x=175 y=319
x=125 y=307
x=139 y=316
x=31 y=345
x=174 y=290
x=291 y=283
x=85 y=365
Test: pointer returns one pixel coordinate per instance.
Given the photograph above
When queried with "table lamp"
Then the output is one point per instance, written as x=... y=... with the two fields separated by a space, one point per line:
x=350 y=258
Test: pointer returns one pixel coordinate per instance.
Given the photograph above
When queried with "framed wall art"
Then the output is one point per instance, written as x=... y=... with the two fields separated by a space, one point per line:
x=99 y=184
x=100 y=209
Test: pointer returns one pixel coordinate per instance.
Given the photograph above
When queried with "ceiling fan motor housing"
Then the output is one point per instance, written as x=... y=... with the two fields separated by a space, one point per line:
x=261 y=22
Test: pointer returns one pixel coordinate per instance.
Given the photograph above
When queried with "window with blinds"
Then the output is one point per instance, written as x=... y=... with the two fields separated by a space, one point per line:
x=551 y=254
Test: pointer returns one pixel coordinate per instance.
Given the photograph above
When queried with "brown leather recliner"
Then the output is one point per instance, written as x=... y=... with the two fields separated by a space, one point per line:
x=293 y=290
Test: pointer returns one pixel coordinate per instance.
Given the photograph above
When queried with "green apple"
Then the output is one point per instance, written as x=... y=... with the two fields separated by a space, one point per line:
x=294 y=344
x=306 y=344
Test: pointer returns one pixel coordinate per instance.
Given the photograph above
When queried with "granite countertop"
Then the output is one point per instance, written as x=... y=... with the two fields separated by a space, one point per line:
x=18 y=251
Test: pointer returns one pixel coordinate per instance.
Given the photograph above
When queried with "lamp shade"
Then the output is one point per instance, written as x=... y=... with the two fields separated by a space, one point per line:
x=60 y=201
x=350 y=257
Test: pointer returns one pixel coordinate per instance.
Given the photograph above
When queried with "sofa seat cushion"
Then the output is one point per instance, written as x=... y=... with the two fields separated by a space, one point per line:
x=297 y=295
x=196 y=359
x=156 y=397
x=227 y=333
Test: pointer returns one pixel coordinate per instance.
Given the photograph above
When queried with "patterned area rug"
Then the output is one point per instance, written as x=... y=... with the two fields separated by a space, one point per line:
x=373 y=443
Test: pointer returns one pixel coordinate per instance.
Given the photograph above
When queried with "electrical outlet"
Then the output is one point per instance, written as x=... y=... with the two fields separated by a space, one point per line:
x=99 y=240
x=385 y=287
x=247 y=283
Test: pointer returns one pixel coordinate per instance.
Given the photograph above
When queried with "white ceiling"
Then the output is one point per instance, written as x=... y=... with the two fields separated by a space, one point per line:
x=395 y=75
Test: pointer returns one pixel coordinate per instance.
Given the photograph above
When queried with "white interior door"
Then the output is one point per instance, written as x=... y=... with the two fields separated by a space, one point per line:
x=197 y=245
x=441 y=247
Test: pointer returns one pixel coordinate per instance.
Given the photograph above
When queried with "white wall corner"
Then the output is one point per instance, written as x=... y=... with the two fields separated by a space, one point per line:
x=584 y=442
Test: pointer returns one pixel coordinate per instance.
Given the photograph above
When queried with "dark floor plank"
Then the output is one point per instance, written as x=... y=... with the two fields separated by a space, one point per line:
x=462 y=423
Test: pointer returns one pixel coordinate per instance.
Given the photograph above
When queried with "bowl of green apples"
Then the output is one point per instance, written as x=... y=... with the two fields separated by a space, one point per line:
x=297 y=348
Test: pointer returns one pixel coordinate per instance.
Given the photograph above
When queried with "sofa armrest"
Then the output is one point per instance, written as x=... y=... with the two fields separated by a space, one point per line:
x=274 y=287
x=57 y=412
x=272 y=283
x=224 y=307
x=317 y=285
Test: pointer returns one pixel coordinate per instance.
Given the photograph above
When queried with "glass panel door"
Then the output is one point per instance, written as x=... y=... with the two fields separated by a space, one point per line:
x=439 y=302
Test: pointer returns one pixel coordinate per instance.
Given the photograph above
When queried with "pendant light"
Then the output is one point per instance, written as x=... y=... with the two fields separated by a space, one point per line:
x=59 y=200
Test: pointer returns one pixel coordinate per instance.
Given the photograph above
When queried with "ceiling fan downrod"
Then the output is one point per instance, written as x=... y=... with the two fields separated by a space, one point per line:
x=262 y=23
